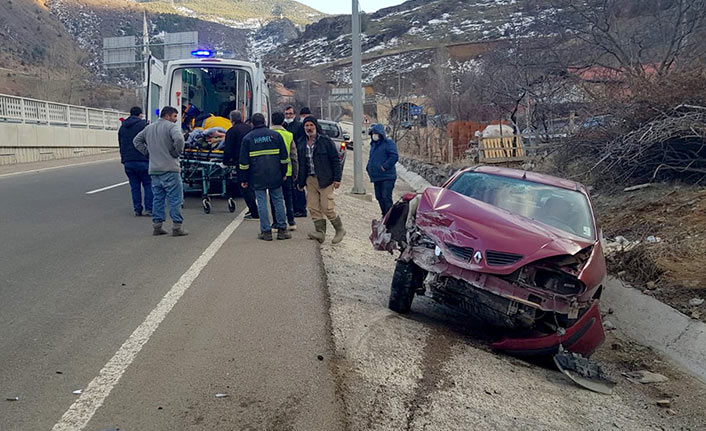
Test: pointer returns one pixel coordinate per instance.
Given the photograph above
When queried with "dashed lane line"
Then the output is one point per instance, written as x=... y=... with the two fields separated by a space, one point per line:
x=107 y=188
x=82 y=410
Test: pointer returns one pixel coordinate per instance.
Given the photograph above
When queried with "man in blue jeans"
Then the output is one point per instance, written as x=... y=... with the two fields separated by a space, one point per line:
x=292 y=169
x=136 y=164
x=381 y=166
x=263 y=166
x=163 y=142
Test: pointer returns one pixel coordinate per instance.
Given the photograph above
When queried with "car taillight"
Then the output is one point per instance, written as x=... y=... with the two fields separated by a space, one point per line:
x=343 y=145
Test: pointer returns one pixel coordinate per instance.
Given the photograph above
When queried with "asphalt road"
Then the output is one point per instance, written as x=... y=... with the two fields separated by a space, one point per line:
x=79 y=273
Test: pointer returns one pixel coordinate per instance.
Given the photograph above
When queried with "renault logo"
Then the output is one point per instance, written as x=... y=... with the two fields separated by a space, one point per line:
x=478 y=256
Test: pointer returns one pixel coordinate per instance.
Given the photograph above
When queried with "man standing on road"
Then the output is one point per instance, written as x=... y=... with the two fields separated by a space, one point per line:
x=320 y=173
x=294 y=126
x=263 y=166
x=381 y=166
x=231 y=157
x=163 y=142
x=136 y=164
x=292 y=168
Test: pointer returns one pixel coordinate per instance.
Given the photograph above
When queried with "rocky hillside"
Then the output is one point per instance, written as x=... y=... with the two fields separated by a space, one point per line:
x=402 y=30
x=32 y=39
x=269 y=37
x=53 y=48
x=238 y=13
x=89 y=21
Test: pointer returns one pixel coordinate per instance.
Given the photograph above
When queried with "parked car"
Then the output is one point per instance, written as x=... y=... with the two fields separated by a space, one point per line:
x=517 y=250
x=333 y=130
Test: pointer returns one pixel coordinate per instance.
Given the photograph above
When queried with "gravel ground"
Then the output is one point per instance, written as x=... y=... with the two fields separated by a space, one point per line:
x=431 y=370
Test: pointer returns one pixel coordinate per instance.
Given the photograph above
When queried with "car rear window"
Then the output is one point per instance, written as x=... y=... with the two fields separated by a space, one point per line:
x=567 y=210
x=330 y=130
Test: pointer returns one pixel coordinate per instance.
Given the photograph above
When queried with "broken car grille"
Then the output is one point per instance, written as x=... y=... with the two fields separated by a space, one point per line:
x=463 y=253
x=499 y=258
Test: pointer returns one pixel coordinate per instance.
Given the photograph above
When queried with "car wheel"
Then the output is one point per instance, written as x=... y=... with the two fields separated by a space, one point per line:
x=404 y=283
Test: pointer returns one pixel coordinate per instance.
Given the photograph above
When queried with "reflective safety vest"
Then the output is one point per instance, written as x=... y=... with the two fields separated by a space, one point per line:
x=288 y=138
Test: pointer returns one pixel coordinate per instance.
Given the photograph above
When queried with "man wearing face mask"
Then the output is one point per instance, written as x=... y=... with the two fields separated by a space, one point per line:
x=320 y=172
x=381 y=166
x=291 y=124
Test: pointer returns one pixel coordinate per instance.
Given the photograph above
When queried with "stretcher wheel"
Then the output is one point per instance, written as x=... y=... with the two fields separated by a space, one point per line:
x=206 y=206
x=231 y=205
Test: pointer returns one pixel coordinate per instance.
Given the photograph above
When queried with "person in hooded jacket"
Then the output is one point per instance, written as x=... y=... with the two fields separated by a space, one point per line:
x=320 y=172
x=381 y=166
x=136 y=164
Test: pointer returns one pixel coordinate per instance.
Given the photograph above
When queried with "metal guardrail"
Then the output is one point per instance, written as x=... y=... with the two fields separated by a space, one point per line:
x=32 y=111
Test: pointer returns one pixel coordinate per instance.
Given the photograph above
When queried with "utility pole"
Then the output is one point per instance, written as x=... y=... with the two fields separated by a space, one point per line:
x=358 y=187
x=399 y=100
x=146 y=59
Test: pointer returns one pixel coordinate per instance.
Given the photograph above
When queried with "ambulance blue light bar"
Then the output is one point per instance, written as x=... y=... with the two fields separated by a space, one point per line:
x=202 y=53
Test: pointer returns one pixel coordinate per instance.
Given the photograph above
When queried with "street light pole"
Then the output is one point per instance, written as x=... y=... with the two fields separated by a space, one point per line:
x=358 y=187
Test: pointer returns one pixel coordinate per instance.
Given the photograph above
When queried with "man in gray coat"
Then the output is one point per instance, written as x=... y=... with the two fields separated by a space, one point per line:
x=163 y=142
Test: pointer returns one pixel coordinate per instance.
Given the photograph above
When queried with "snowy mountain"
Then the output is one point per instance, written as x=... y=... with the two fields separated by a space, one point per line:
x=250 y=14
x=405 y=37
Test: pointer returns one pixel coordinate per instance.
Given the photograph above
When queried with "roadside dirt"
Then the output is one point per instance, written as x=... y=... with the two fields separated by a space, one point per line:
x=670 y=265
x=433 y=370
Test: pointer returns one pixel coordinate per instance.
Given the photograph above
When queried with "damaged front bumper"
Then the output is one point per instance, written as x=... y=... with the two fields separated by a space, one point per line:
x=584 y=337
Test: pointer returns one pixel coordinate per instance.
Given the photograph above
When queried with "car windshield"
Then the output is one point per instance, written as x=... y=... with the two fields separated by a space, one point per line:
x=563 y=209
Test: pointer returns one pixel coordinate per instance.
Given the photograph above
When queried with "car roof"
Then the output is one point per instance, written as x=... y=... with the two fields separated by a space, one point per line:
x=529 y=176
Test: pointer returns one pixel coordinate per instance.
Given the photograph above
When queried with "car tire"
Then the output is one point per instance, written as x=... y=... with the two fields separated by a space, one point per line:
x=404 y=283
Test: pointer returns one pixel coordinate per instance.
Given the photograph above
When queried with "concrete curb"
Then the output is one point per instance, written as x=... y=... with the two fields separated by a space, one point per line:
x=677 y=337
x=652 y=323
x=412 y=178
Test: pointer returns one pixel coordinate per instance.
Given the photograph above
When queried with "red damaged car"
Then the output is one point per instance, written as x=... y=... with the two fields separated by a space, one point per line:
x=518 y=250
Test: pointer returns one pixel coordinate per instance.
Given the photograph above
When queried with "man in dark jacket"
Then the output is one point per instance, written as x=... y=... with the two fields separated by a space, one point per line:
x=136 y=164
x=231 y=157
x=381 y=166
x=294 y=126
x=263 y=167
x=320 y=172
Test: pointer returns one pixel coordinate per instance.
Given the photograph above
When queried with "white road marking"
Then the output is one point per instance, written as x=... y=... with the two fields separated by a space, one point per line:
x=82 y=410
x=107 y=188
x=31 y=171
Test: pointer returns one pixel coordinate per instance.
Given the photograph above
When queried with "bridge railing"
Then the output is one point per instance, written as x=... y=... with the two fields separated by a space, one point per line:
x=31 y=111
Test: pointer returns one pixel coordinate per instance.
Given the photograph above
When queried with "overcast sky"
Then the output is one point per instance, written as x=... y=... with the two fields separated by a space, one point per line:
x=345 y=6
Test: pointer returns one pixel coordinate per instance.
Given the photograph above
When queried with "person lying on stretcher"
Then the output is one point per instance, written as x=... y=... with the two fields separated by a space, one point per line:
x=207 y=139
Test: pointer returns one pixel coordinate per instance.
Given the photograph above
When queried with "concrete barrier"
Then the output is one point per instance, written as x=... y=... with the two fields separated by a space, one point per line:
x=652 y=323
x=24 y=143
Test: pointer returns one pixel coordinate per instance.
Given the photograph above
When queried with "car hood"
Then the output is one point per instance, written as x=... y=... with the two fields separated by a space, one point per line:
x=452 y=220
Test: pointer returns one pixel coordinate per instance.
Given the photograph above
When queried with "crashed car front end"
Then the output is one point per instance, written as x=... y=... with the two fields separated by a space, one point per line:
x=537 y=283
